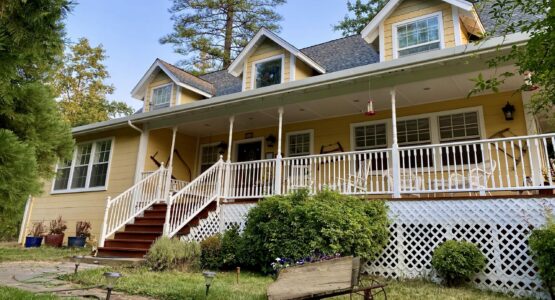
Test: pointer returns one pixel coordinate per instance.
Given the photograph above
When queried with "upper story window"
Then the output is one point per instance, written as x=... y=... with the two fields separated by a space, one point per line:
x=417 y=35
x=161 y=96
x=87 y=171
x=299 y=143
x=268 y=72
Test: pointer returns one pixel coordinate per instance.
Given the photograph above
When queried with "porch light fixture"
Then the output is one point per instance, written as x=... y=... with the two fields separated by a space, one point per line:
x=270 y=140
x=221 y=147
x=370 y=108
x=508 y=111
x=208 y=278
x=77 y=259
x=111 y=279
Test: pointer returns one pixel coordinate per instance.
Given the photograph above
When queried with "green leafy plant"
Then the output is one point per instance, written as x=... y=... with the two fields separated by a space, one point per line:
x=542 y=244
x=211 y=253
x=171 y=254
x=457 y=261
x=297 y=225
x=83 y=229
x=57 y=226
x=231 y=248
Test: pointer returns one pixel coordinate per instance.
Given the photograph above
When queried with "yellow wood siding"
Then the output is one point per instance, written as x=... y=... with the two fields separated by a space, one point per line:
x=410 y=9
x=159 y=145
x=188 y=96
x=160 y=79
x=302 y=70
x=266 y=49
x=90 y=206
x=464 y=35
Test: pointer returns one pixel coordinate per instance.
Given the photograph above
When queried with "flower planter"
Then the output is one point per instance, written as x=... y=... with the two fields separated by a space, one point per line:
x=54 y=240
x=33 y=241
x=76 y=241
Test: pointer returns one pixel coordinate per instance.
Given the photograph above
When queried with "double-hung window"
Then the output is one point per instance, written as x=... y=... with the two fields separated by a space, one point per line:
x=87 y=171
x=414 y=132
x=209 y=155
x=368 y=137
x=268 y=72
x=299 y=143
x=161 y=96
x=460 y=127
x=420 y=35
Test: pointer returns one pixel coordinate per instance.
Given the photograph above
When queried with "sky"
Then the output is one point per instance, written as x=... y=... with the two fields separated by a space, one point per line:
x=129 y=31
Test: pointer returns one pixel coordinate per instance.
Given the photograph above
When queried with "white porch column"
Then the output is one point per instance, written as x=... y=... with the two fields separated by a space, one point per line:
x=230 y=139
x=227 y=175
x=533 y=145
x=174 y=134
x=168 y=183
x=395 y=149
x=141 y=153
x=277 y=183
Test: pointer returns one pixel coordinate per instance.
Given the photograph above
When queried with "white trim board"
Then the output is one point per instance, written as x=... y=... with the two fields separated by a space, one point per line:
x=275 y=57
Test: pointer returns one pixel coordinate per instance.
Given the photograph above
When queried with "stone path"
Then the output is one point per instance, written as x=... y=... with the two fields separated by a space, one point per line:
x=41 y=276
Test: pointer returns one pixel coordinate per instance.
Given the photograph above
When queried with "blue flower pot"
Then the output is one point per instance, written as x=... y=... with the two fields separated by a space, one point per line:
x=33 y=241
x=76 y=241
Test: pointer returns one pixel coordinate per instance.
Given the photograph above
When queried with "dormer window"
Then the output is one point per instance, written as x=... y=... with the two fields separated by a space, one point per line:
x=161 y=96
x=417 y=35
x=268 y=71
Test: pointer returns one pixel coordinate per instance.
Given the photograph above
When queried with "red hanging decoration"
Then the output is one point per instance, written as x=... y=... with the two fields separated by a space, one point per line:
x=370 y=108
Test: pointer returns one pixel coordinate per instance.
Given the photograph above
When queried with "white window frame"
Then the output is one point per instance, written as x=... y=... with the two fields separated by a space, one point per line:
x=153 y=106
x=201 y=149
x=388 y=133
x=275 y=57
x=89 y=169
x=441 y=32
x=480 y=117
x=311 y=141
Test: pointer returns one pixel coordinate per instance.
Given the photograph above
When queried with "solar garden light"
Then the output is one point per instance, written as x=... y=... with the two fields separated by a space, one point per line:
x=208 y=277
x=111 y=278
x=77 y=259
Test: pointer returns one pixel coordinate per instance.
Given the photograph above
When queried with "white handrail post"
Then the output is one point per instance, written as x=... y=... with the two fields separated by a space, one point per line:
x=160 y=181
x=168 y=215
x=395 y=149
x=219 y=179
x=277 y=184
x=104 y=223
x=227 y=178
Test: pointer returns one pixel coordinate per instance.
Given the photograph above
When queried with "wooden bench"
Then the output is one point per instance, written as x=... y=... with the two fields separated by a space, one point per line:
x=323 y=279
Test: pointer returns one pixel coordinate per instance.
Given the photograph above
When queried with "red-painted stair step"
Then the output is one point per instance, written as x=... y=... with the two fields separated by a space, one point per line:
x=128 y=243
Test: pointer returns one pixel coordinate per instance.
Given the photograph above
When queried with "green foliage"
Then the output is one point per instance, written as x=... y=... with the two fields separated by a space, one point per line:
x=537 y=57
x=211 y=253
x=362 y=13
x=33 y=136
x=211 y=33
x=171 y=254
x=457 y=261
x=297 y=225
x=80 y=82
x=232 y=248
x=542 y=244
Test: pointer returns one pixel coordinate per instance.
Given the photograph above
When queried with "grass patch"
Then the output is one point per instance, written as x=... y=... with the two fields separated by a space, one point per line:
x=178 y=285
x=17 y=294
x=18 y=253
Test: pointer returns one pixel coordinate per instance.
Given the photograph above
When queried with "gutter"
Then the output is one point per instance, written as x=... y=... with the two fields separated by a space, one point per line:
x=423 y=59
x=134 y=127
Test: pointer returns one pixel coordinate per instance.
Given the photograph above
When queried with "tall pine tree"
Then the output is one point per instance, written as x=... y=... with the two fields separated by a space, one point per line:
x=360 y=14
x=33 y=134
x=213 y=32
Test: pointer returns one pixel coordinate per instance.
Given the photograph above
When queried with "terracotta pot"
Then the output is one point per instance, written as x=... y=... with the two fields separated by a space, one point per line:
x=54 y=240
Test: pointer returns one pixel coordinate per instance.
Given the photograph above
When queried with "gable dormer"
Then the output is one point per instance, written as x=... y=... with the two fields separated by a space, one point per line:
x=268 y=60
x=406 y=27
x=165 y=85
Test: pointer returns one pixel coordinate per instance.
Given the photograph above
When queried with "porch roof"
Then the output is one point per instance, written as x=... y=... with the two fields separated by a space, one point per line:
x=404 y=70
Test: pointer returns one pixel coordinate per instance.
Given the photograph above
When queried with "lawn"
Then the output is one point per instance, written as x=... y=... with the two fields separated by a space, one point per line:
x=17 y=253
x=178 y=285
x=17 y=294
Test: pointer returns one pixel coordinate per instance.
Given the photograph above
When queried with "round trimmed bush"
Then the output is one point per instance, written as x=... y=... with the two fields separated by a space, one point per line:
x=211 y=252
x=457 y=261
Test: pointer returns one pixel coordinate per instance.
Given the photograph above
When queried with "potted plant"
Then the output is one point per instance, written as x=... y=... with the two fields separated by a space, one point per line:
x=82 y=232
x=34 y=239
x=55 y=238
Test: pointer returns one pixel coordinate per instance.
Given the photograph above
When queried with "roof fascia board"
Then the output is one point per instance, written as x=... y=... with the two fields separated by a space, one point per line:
x=236 y=68
x=369 y=33
x=135 y=92
x=493 y=44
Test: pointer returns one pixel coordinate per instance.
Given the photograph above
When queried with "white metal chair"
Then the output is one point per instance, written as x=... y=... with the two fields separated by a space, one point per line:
x=409 y=181
x=299 y=177
x=476 y=178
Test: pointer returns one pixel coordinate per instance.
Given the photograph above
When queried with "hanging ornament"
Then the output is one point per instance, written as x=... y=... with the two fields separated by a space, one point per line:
x=528 y=85
x=370 y=108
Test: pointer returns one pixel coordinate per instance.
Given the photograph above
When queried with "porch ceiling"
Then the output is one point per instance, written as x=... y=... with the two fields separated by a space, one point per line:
x=352 y=100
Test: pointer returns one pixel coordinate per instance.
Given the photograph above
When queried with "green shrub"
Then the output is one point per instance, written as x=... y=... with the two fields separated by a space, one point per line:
x=298 y=225
x=542 y=244
x=169 y=254
x=231 y=248
x=211 y=253
x=457 y=261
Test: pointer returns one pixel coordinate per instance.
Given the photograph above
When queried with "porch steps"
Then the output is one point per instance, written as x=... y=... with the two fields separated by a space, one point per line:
x=137 y=237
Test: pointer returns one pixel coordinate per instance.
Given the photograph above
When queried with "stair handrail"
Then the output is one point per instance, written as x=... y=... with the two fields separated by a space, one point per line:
x=135 y=200
x=193 y=198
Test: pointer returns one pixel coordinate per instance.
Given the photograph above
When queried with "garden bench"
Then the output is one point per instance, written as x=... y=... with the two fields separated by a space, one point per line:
x=323 y=279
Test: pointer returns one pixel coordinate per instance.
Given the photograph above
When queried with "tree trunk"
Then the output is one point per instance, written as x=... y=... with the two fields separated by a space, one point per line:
x=228 y=33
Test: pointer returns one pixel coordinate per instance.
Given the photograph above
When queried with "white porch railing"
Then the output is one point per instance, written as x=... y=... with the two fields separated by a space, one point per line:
x=253 y=179
x=175 y=184
x=195 y=196
x=134 y=201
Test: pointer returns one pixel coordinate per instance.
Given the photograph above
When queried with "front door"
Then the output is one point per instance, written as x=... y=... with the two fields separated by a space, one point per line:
x=249 y=151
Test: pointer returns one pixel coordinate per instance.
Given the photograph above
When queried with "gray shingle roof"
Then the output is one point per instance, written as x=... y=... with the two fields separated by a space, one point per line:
x=190 y=79
x=223 y=82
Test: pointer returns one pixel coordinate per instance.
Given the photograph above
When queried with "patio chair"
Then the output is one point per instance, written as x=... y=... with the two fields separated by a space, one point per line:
x=475 y=179
x=409 y=181
x=299 y=177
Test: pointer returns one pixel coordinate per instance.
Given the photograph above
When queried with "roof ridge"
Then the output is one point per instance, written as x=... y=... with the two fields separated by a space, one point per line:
x=180 y=69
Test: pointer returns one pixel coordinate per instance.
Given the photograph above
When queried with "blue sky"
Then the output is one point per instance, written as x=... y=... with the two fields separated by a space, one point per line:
x=129 y=31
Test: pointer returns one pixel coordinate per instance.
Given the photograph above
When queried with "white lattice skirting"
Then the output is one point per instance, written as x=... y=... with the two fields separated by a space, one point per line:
x=500 y=228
